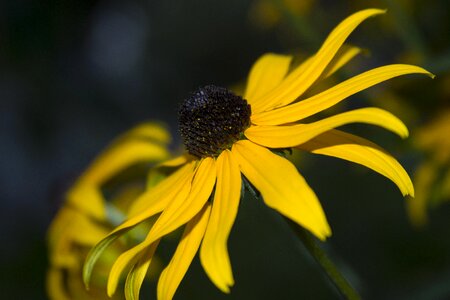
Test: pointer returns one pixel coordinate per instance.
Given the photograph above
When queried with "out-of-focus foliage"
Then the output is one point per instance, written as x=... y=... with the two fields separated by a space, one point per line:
x=75 y=74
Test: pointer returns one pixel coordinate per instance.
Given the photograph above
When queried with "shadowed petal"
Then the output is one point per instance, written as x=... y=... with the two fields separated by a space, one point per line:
x=267 y=72
x=190 y=241
x=294 y=135
x=214 y=253
x=281 y=186
x=361 y=151
x=345 y=54
x=137 y=273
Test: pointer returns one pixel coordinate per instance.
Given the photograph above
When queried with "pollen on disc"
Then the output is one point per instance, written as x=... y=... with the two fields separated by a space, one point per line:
x=212 y=119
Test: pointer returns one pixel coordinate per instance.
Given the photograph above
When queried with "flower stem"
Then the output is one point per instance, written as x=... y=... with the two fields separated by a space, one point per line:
x=342 y=285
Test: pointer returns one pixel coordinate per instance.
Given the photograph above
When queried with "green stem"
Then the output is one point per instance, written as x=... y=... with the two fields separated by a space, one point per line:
x=342 y=285
x=330 y=269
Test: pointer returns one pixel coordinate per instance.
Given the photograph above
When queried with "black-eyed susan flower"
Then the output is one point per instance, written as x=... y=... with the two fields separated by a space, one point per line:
x=228 y=137
x=86 y=217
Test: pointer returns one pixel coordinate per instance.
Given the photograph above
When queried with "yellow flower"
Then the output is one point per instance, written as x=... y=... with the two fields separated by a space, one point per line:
x=84 y=218
x=229 y=137
x=432 y=177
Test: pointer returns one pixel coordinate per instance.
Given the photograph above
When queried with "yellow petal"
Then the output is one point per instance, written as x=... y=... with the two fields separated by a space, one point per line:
x=129 y=258
x=85 y=231
x=88 y=199
x=267 y=72
x=179 y=211
x=149 y=130
x=334 y=95
x=294 y=135
x=281 y=186
x=190 y=241
x=175 y=162
x=345 y=54
x=163 y=191
x=214 y=253
x=361 y=151
x=176 y=192
x=55 y=284
x=299 y=80
x=424 y=178
x=137 y=274
x=121 y=156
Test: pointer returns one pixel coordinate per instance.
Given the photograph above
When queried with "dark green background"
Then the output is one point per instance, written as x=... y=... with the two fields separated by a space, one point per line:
x=74 y=74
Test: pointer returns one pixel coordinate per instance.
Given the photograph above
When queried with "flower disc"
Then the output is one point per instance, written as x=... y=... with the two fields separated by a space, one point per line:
x=212 y=119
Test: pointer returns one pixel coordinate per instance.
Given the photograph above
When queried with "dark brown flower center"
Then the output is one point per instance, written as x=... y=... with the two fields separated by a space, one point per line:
x=212 y=119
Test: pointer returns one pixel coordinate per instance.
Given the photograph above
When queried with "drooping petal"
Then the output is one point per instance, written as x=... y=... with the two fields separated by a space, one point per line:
x=334 y=95
x=294 y=135
x=55 y=284
x=424 y=177
x=267 y=72
x=83 y=230
x=361 y=151
x=299 y=80
x=175 y=162
x=214 y=253
x=179 y=211
x=176 y=192
x=144 y=143
x=88 y=199
x=149 y=130
x=121 y=156
x=190 y=241
x=137 y=273
x=281 y=186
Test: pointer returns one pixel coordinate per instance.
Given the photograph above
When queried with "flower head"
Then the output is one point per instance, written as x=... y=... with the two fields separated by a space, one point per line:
x=86 y=217
x=229 y=137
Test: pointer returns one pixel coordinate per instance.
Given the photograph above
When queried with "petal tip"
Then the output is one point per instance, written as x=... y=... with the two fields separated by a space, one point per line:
x=410 y=192
x=405 y=133
x=375 y=11
x=225 y=289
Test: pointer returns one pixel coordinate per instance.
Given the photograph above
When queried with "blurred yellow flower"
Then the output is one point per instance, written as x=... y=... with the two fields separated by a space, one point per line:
x=85 y=217
x=229 y=137
x=432 y=177
x=71 y=235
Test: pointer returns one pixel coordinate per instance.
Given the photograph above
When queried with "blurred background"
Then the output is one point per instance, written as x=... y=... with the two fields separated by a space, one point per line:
x=75 y=74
